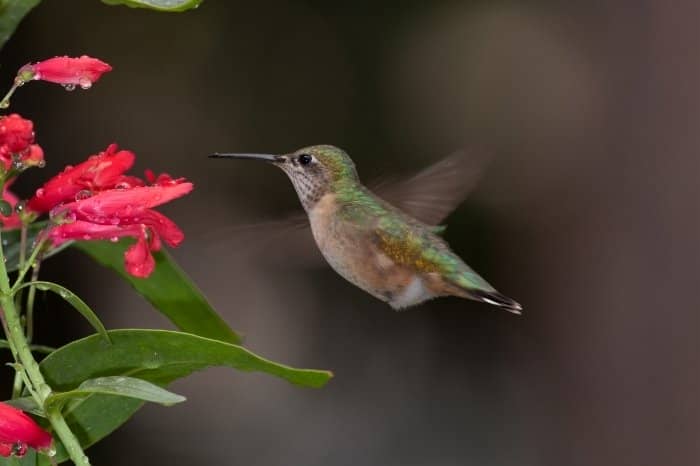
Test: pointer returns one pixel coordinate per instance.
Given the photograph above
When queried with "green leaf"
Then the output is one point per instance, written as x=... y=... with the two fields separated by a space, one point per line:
x=159 y=5
x=11 y=244
x=26 y=404
x=71 y=298
x=157 y=356
x=168 y=289
x=128 y=387
x=11 y=13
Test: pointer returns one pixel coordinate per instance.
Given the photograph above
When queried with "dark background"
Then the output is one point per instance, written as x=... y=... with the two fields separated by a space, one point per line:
x=588 y=215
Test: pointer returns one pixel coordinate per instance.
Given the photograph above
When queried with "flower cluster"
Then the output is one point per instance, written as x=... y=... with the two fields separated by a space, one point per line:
x=19 y=432
x=96 y=200
x=17 y=152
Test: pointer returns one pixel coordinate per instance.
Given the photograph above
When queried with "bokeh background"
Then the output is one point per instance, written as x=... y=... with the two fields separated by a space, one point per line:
x=588 y=215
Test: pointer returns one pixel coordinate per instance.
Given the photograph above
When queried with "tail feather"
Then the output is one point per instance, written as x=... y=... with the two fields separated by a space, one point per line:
x=497 y=299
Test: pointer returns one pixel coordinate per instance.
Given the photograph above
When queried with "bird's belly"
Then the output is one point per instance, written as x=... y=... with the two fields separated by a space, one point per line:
x=352 y=256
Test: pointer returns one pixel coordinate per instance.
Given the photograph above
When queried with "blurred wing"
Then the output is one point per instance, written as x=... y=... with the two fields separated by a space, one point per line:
x=433 y=193
x=289 y=238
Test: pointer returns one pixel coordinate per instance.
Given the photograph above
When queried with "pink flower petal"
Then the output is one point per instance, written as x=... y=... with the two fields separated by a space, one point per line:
x=138 y=259
x=101 y=171
x=18 y=428
x=82 y=71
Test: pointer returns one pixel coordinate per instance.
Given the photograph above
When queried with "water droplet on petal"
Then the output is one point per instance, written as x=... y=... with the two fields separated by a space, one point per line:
x=83 y=194
x=85 y=83
x=41 y=163
x=114 y=239
x=17 y=164
x=122 y=185
x=69 y=87
x=40 y=192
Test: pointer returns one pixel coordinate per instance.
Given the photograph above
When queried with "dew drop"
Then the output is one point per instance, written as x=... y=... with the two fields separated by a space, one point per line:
x=83 y=194
x=84 y=83
x=41 y=163
x=51 y=451
x=122 y=185
x=19 y=449
x=17 y=164
x=114 y=239
x=40 y=192
x=69 y=87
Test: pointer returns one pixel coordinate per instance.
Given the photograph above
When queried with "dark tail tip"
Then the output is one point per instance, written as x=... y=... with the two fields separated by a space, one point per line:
x=497 y=299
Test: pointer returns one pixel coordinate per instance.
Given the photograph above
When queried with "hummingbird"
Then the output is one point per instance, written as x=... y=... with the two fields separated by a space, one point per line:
x=373 y=244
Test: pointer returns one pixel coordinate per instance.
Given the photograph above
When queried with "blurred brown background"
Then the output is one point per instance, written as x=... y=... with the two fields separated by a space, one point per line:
x=588 y=216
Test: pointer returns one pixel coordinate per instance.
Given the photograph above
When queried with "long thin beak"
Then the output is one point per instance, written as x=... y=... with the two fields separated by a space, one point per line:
x=263 y=157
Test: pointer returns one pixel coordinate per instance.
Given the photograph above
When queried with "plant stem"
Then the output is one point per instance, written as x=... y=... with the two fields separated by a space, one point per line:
x=38 y=387
x=22 y=244
x=25 y=268
x=29 y=313
x=71 y=444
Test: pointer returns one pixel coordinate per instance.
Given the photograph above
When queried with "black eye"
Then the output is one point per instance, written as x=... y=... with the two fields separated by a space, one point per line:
x=305 y=159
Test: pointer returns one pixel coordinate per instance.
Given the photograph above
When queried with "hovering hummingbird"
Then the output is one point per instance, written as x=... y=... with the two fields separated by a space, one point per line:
x=374 y=245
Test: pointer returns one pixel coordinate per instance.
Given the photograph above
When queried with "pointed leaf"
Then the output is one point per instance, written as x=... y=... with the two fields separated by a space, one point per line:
x=157 y=356
x=11 y=14
x=71 y=298
x=168 y=289
x=159 y=5
x=128 y=387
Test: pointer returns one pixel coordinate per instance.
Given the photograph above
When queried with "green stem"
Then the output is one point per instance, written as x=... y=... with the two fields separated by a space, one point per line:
x=70 y=443
x=29 y=316
x=25 y=268
x=22 y=244
x=38 y=387
x=5 y=102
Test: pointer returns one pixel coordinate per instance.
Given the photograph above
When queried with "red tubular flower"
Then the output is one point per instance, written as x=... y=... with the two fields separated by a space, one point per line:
x=95 y=200
x=69 y=71
x=17 y=142
x=18 y=431
x=102 y=171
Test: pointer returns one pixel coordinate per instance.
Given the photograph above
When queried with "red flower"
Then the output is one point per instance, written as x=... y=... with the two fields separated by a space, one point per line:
x=17 y=142
x=69 y=71
x=95 y=200
x=18 y=431
x=102 y=171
